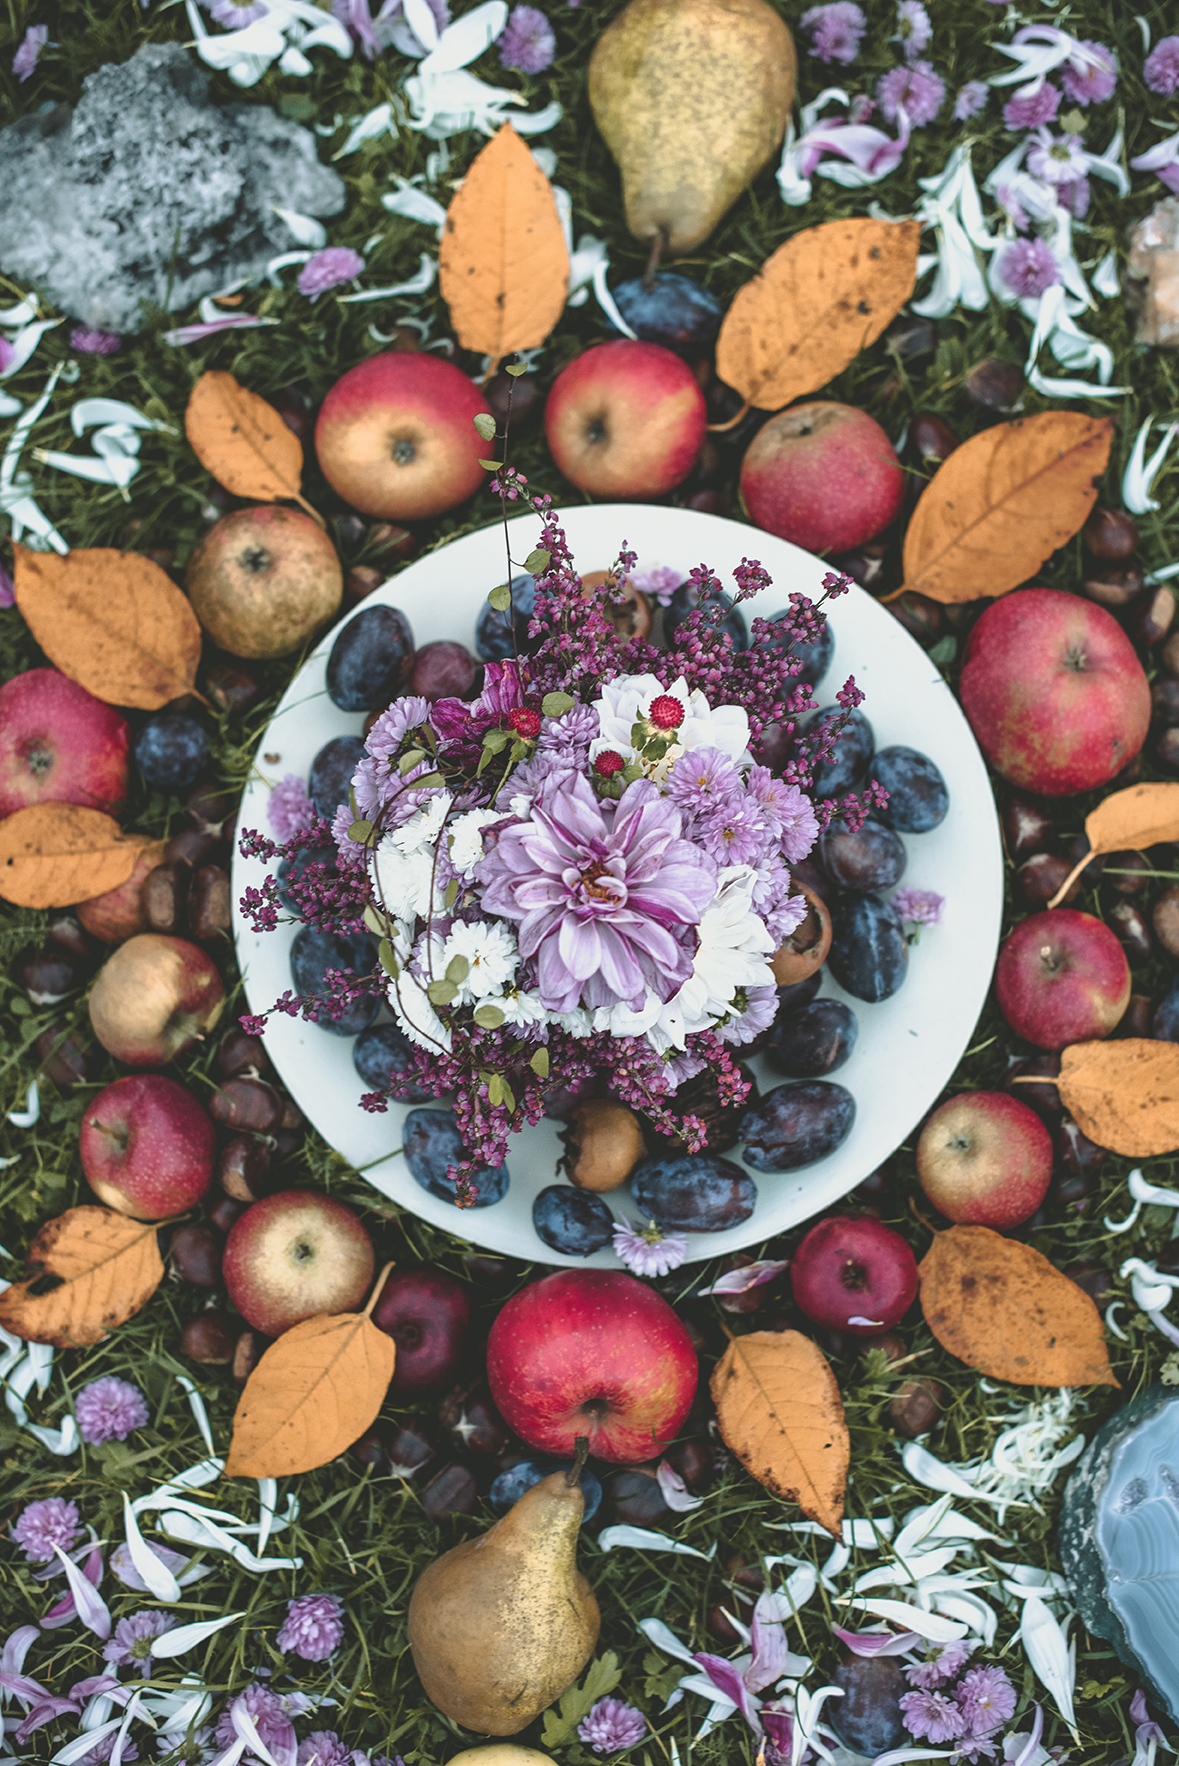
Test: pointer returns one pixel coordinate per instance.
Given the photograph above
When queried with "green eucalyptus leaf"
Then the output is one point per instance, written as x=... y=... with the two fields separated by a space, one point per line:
x=491 y=465
x=495 y=1089
x=508 y=1097
x=557 y=704
x=500 y=598
x=414 y=758
x=488 y=1017
x=540 y=1063
x=440 y=993
x=388 y=959
x=360 y=831
x=452 y=889
x=516 y=369
x=458 y=969
x=537 y=561
x=496 y=739
x=485 y=423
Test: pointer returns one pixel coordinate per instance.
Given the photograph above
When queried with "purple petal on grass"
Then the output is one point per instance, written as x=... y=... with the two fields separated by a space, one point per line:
x=197 y=333
x=739 y=1281
x=877 y=1643
x=728 y=1678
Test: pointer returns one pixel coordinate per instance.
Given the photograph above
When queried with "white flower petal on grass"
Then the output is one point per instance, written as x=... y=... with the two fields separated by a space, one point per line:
x=200 y=1415
x=157 y=1577
x=909 y=1618
x=1052 y=1657
x=925 y=1468
x=1138 y=478
x=645 y=1539
x=675 y=1492
x=62 y=1442
x=369 y=127
x=267 y=1498
x=422 y=279
x=185 y=1637
x=31 y=1114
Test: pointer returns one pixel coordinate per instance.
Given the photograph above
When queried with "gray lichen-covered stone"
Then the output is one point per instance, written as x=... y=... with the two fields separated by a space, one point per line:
x=1119 y=1538
x=147 y=191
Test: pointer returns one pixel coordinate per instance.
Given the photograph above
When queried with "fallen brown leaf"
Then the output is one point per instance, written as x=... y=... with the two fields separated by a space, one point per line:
x=242 y=440
x=779 y=1411
x=106 y=1266
x=54 y=854
x=1124 y=1095
x=1140 y=816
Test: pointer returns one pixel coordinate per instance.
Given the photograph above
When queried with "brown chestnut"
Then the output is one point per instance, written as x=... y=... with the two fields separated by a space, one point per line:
x=165 y=891
x=1110 y=534
x=1115 y=586
x=232 y=688
x=248 y=1104
x=603 y=1144
x=932 y=438
x=1164 y=918
x=993 y=384
x=65 y=1058
x=1155 y=617
x=409 y=1448
x=922 y=618
x=209 y=910
x=242 y=1167
x=1039 y=878
x=360 y=581
x=1135 y=1020
x=917 y=1406
x=452 y=1491
x=472 y=1421
x=1129 y=922
x=239 y=1053
x=806 y=948
x=195 y=1255
x=1027 y=828
x=209 y=1338
x=1045 y=1099
x=248 y=1351
x=51 y=976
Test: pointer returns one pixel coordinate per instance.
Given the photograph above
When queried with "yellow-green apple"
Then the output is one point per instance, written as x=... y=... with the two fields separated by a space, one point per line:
x=625 y=420
x=120 y=913
x=1062 y=977
x=59 y=744
x=396 y=436
x=824 y=476
x=427 y=1313
x=1054 y=692
x=147 y=1147
x=264 y=580
x=154 y=997
x=853 y=1273
x=592 y=1352
x=296 y=1255
x=985 y=1159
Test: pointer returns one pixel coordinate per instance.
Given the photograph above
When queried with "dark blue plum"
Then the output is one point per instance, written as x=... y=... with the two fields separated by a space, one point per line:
x=674 y=311
x=854 y=747
x=171 y=750
x=687 y=598
x=815 y=1041
x=1164 y=1026
x=693 y=1192
x=917 y=796
x=869 y=956
x=431 y=1143
x=370 y=660
x=381 y=1051
x=331 y=773
x=291 y=869
x=575 y=1222
x=816 y=657
x=868 y=1719
x=798 y=994
x=314 y=953
x=493 y=629
x=794 y=1125
x=511 y=1485
x=864 y=862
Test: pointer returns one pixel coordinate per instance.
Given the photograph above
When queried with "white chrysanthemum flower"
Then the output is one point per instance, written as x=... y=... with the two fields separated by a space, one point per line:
x=734 y=944
x=466 y=839
x=423 y=828
x=578 y=1022
x=406 y=881
x=522 y=1009
x=415 y=1015
x=490 y=951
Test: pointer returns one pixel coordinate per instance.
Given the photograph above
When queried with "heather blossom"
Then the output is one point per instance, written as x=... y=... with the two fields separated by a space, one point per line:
x=42 y=1525
x=313 y=1627
x=1161 y=68
x=836 y=30
x=914 y=89
x=109 y=1410
x=527 y=42
x=1028 y=267
x=328 y=269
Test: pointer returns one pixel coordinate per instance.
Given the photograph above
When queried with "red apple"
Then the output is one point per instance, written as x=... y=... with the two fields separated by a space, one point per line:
x=592 y=1352
x=985 y=1158
x=296 y=1255
x=147 y=1147
x=120 y=913
x=1062 y=977
x=58 y=744
x=396 y=436
x=154 y=997
x=1054 y=692
x=824 y=476
x=427 y=1313
x=853 y=1273
x=625 y=420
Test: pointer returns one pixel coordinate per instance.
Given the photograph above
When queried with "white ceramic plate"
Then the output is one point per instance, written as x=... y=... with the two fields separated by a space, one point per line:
x=908 y=1046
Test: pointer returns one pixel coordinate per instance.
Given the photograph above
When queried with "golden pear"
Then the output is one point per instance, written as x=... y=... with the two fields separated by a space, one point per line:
x=501 y=1753
x=502 y=1625
x=692 y=97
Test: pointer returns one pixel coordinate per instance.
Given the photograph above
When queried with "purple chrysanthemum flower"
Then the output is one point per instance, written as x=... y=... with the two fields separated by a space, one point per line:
x=791 y=811
x=89 y=342
x=133 y=1638
x=527 y=43
x=1161 y=68
x=612 y=1724
x=923 y=907
x=649 y=1252
x=835 y=30
x=328 y=269
x=1034 y=111
x=572 y=730
x=1090 y=78
x=660 y=582
x=102 y=1750
x=601 y=892
x=932 y=1716
x=235 y=14
x=735 y=832
x=941 y=1664
x=987 y=1699
x=109 y=1409
x=700 y=779
x=270 y=1716
x=393 y=725
x=1074 y=196
x=42 y=1525
x=914 y=30
x=1028 y=267
x=31 y=45
x=313 y=1628
x=323 y=1747
x=916 y=90
x=1057 y=159
x=7 y=589
x=972 y=97
x=760 y=1010
x=288 y=808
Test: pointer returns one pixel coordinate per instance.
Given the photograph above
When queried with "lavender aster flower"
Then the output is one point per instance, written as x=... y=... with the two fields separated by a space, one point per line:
x=31 y=45
x=313 y=1627
x=835 y=30
x=1074 y=196
x=42 y=1525
x=987 y=1699
x=527 y=42
x=735 y=832
x=931 y=1716
x=328 y=269
x=1090 y=78
x=89 y=342
x=133 y=1638
x=941 y=1664
x=102 y=1750
x=650 y=1252
x=923 y=907
x=914 y=30
x=701 y=779
x=612 y=1724
x=757 y=1008
x=390 y=729
x=109 y=1409
x=271 y=1719
x=323 y=1747
x=1033 y=112
x=972 y=97
x=1161 y=68
x=573 y=729
x=288 y=808
x=916 y=89
x=1057 y=159
x=1028 y=267
x=234 y=14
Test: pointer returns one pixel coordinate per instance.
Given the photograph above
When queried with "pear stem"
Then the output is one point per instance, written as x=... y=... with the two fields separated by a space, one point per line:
x=657 y=245
x=580 y=1455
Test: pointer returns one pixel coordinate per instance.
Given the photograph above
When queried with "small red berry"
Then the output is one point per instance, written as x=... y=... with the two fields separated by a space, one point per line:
x=526 y=723
x=608 y=763
x=666 y=713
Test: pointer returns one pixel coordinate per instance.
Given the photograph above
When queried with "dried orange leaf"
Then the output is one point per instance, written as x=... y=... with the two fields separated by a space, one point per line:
x=1002 y=1308
x=113 y=621
x=312 y=1394
x=1002 y=503
x=54 y=854
x=780 y=1412
x=1124 y=1095
x=242 y=440
x=106 y=1266
x=821 y=298
x=1141 y=816
x=502 y=266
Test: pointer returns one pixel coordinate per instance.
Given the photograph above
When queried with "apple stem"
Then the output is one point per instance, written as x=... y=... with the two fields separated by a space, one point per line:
x=917 y=1214
x=1071 y=879
x=720 y=428
x=580 y=1455
x=376 y=1293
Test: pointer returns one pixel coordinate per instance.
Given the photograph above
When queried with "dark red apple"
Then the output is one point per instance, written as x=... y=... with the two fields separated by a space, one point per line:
x=592 y=1352
x=296 y=1255
x=853 y=1273
x=1062 y=977
x=985 y=1158
x=427 y=1314
x=58 y=744
x=147 y=1147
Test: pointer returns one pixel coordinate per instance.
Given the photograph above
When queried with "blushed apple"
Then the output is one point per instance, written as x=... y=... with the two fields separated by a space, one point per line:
x=154 y=997
x=592 y=1352
x=120 y=913
x=985 y=1159
x=396 y=436
x=625 y=420
x=853 y=1273
x=147 y=1147
x=296 y=1255
x=823 y=476
x=1054 y=692
x=59 y=744
x=1062 y=977
x=263 y=580
x=427 y=1313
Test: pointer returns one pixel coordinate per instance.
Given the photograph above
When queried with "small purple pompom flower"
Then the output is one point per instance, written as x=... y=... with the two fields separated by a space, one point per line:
x=931 y=1716
x=270 y=1716
x=42 y=1525
x=133 y=1638
x=612 y=1724
x=328 y=269
x=323 y=1747
x=987 y=1699
x=102 y=1750
x=313 y=1627
x=1091 y=78
x=1161 y=69
x=972 y=98
x=1033 y=112
x=941 y=1664
x=89 y=342
x=1074 y=196
x=235 y=14
x=1028 y=267
x=109 y=1409
x=916 y=90
x=836 y=30
x=527 y=43
x=31 y=45
x=288 y=808
x=650 y=1252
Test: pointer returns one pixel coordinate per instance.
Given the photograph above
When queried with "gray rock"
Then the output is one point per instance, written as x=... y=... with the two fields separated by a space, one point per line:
x=148 y=191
